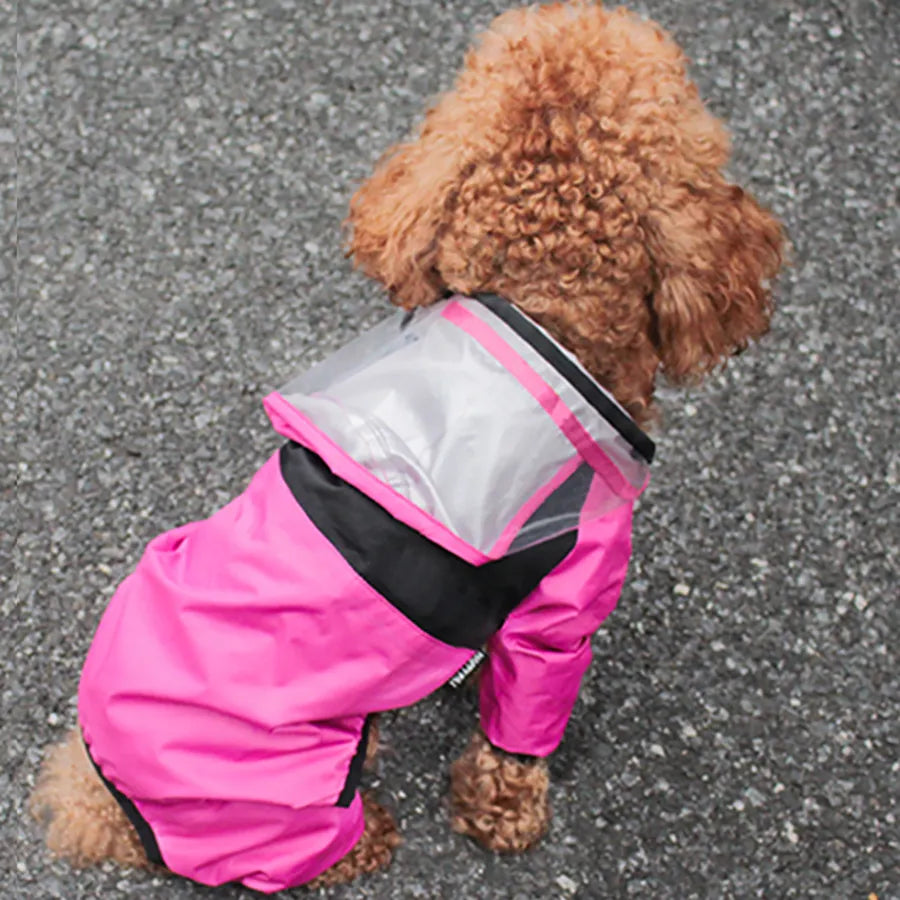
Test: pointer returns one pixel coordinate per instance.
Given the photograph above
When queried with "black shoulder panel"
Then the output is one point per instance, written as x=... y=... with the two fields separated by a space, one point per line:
x=454 y=601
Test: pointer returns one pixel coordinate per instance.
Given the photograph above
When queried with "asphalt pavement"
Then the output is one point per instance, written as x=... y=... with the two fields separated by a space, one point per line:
x=173 y=177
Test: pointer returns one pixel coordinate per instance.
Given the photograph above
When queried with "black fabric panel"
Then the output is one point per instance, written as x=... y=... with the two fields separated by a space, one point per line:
x=530 y=333
x=144 y=832
x=354 y=773
x=458 y=603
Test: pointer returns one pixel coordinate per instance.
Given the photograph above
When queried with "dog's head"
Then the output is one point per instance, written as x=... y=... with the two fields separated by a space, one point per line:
x=574 y=170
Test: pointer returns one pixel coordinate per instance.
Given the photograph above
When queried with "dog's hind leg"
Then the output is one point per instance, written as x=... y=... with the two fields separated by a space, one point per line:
x=371 y=852
x=83 y=822
x=373 y=743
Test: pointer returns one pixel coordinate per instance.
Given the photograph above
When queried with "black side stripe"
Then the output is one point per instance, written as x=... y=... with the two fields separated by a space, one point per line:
x=354 y=773
x=454 y=601
x=144 y=832
x=551 y=354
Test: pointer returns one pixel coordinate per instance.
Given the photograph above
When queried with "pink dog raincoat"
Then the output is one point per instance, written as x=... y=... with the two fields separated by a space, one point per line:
x=453 y=480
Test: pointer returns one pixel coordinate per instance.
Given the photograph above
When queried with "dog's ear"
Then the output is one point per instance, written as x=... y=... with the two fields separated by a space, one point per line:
x=714 y=252
x=396 y=214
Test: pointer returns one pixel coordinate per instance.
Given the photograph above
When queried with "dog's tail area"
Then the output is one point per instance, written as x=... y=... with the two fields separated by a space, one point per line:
x=83 y=822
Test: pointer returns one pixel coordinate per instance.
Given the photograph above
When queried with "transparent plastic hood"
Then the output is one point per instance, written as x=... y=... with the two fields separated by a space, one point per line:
x=453 y=410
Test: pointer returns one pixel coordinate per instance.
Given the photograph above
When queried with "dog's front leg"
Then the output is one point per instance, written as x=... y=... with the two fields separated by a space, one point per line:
x=529 y=685
x=498 y=798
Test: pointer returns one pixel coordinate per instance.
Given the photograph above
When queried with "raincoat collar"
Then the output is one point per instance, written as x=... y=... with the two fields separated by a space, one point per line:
x=568 y=367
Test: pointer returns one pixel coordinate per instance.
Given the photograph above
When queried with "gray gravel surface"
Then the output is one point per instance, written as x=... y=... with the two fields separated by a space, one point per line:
x=182 y=170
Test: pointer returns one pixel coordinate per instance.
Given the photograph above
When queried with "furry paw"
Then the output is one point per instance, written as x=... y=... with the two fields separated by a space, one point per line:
x=83 y=822
x=497 y=799
x=373 y=851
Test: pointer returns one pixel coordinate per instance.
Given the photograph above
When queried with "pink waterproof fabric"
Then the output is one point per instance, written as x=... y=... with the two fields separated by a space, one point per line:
x=537 y=659
x=229 y=679
x=227 y=685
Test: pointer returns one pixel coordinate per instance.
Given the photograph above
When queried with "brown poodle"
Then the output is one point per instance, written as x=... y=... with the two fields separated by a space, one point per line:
x=574 y=172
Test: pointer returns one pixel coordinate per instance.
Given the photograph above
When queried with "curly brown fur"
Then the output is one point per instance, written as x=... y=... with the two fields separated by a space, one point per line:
x=371 y=852
x=498 y=799
x=373 y=745
x=83 y=822
x=575 y=171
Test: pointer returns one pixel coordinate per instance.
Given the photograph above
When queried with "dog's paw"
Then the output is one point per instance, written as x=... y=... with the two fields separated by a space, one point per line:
x=498 y=799
x=83 y=822
x=373 y=851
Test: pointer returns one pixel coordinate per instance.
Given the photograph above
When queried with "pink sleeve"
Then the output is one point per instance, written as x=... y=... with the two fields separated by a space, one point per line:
x=536 y=660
